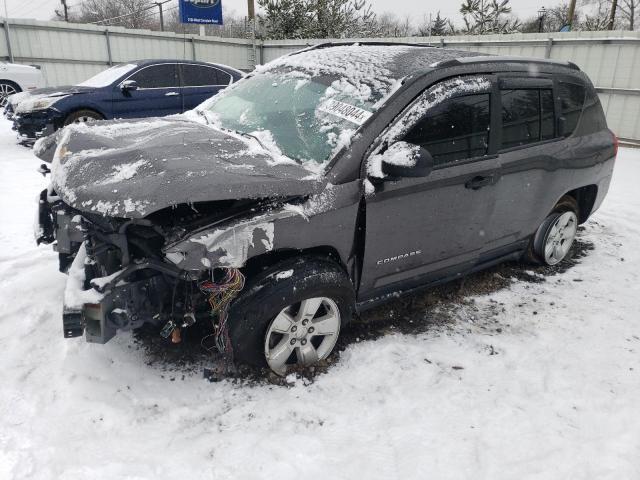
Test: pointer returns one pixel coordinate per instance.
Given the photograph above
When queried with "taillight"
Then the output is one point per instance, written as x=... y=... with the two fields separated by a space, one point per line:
x=616 y=144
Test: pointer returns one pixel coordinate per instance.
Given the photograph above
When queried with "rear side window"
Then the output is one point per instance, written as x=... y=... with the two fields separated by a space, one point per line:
x=571 y=102
x=455 y=130
x=199 y=76
x=520 y=117
x=157 y=76
x=528 y=116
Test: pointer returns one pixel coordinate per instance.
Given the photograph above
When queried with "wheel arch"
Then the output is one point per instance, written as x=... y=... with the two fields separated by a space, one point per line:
x=586 y=198
x=12 y=82
x=259 y=263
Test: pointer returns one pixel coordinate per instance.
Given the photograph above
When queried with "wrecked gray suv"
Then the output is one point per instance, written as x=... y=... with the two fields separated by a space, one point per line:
x=322 y=184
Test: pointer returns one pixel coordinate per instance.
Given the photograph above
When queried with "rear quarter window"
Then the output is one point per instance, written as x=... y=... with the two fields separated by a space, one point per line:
x=571 y=99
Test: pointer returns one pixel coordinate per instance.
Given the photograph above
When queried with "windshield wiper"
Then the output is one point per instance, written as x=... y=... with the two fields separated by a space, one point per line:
x=248 y=135
x=203 y=115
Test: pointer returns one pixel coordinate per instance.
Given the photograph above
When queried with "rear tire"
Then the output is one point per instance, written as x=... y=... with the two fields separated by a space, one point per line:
x=82 y=116
x=281 y=294
x=553 y=240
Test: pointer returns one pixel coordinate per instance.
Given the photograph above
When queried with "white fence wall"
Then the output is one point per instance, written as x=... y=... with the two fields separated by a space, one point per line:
x=69 y=53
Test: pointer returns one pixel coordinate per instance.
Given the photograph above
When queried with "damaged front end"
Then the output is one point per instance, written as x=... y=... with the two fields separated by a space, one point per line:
x=155 y=221
x=177 y=267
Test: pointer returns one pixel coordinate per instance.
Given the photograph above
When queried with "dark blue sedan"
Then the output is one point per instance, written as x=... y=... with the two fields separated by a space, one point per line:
x=146 y=88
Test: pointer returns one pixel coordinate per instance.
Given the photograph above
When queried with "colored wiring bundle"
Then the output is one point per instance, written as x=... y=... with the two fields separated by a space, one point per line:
x=220 y=296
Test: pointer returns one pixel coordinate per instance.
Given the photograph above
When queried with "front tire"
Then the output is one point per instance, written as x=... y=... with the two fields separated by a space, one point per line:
x=82 y=116
x=291 y=314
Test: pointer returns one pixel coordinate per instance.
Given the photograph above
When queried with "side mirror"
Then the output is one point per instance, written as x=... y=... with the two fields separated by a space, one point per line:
x=129 y=86
x=404 y=159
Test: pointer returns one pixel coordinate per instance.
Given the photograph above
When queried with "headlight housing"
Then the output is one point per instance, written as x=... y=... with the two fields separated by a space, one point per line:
x=36 y=103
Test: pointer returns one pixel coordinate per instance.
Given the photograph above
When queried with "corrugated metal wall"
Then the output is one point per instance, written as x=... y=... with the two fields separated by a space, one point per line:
x=70 y=53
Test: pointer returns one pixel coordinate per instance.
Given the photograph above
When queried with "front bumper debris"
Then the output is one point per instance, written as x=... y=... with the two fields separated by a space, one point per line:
x=33 y=125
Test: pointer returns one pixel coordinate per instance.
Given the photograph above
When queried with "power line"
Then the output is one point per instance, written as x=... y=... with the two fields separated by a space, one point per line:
x=132 y=13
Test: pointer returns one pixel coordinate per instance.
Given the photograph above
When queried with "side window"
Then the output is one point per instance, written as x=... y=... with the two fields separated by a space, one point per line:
x=456 y=129
x=571 y=102
x=157 y=76
x=199 y=76
x=520 y=117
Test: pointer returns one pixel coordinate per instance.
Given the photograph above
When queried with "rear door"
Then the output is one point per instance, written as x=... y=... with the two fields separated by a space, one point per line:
x=158 y=94
x=201 y=82
x=530 y=157
x=419 y=229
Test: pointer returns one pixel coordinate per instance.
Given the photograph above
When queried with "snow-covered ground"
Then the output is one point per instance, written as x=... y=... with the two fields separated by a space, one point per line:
x=539 y=380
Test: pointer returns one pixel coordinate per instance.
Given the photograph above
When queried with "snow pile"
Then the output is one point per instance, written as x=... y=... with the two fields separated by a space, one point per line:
x=75 y=296
x=126 y=171
x=113 y=130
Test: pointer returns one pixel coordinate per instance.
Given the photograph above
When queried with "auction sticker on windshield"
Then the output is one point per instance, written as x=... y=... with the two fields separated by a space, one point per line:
x=345 y=111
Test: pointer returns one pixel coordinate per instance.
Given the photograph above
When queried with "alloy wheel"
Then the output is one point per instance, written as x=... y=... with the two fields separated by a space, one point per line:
x=561 y=235
x=302 y=334
x=5 y=91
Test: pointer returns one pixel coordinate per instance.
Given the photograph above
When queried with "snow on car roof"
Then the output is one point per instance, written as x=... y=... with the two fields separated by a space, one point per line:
x=398 y=60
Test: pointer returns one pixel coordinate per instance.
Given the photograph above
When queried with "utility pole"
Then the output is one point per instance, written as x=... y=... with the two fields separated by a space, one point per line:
x=612 y=15
x=251 y=10
x=572 y=11
x=6 y=31
x=159 y=4
x=66 y=10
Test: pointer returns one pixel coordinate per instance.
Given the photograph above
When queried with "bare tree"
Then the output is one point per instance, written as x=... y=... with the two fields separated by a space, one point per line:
x=599 y=19
x=627 y=11
x=125 y=13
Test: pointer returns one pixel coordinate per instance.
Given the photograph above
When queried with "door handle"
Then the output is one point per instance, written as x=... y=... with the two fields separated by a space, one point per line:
x=171 y=94
x=478 y=182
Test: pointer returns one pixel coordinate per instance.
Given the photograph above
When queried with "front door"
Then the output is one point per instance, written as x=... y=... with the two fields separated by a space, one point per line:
x=422 y=229
x=158 y=94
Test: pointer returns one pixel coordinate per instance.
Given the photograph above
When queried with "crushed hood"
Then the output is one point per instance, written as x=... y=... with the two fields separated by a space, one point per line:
x=47 y=92
x=131 y=169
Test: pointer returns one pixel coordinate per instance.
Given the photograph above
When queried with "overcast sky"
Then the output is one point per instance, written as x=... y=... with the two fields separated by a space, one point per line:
x=43 y=9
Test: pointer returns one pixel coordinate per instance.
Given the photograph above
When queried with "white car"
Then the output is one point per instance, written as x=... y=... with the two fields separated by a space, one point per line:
x=16 y=78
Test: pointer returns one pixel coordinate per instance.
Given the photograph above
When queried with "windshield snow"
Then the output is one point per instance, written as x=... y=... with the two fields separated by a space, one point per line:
x=307 y=106
x=107 y=77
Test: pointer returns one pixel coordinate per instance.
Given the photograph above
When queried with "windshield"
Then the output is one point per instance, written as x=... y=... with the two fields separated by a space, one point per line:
x=306 y=118
x=108 y=76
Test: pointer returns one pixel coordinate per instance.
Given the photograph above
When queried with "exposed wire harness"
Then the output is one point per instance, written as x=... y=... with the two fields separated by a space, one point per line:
x=220 y=294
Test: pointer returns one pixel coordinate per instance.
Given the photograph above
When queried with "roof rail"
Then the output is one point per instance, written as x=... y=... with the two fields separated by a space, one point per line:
x=364 y=42
x=507 y=59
